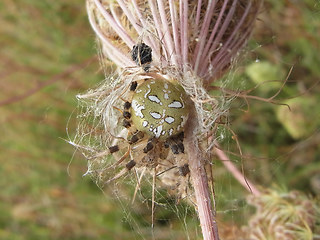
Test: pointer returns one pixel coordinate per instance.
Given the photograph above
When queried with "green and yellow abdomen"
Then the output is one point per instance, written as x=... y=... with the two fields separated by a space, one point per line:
x=159 y=108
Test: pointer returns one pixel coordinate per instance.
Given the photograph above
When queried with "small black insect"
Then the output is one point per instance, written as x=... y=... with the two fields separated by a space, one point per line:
x=142 y=55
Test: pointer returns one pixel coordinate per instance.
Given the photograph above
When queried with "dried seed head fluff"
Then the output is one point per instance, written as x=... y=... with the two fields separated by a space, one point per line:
x=167 y=54
x=282 y=215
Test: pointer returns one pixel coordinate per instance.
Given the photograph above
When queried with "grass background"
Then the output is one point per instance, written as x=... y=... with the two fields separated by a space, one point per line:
x=48 y=55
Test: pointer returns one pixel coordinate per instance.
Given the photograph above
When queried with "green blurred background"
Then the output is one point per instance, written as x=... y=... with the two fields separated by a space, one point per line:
x=48 y=56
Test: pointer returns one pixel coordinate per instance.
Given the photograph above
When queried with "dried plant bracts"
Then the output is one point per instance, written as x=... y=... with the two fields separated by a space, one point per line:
x=202 y=36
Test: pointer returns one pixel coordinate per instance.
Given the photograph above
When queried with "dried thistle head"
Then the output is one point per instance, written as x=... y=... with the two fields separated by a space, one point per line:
x=283 y=215
x=198 y=36
x=192 y=44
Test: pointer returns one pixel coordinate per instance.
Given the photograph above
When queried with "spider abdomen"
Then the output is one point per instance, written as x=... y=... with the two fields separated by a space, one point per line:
x=159 y=108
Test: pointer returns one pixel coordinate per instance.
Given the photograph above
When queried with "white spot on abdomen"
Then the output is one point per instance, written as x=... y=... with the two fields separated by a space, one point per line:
x=169 y=120
x=146 y=94
x=157 y=131
x=175 y=104
x=155 y=115
x=184 y=119
x=137 y=108
x=154 y=98
x=170 y=131
x=145 y=123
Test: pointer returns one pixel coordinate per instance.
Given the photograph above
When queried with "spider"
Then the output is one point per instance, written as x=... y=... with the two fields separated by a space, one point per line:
x=155 y=110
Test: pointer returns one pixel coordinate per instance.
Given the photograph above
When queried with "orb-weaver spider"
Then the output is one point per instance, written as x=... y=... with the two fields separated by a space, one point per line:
x=155 y=110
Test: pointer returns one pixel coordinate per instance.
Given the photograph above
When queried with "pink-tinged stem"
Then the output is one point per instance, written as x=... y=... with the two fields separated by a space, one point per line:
x=206 y=211
x=183 y=4
x=215 y=29
x=226 y=47
x=237 y=44
x=198 y=14
x=175 y=31
x=115 y=54
x=236 y=173
x=217 y=40
x=167 y=34
x=115 y=17
x=157 y=23
x=234 y=44
x=203 y=35
x=120 y=31
x=130 y=16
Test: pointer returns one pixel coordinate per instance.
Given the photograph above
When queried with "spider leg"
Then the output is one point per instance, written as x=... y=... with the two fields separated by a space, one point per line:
x=138 y=135
x=114 y=148
x=130 y=164
x=175 y=143
x=184 y=170
x=119 y=175
x=120 y=160
x=136 y=138
x=150 y=145
x=111 y=150
x=153 y=195
x=139 y=178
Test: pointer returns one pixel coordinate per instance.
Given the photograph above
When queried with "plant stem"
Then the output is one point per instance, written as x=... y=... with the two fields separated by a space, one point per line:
x=236 y=173
x=206 y=211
